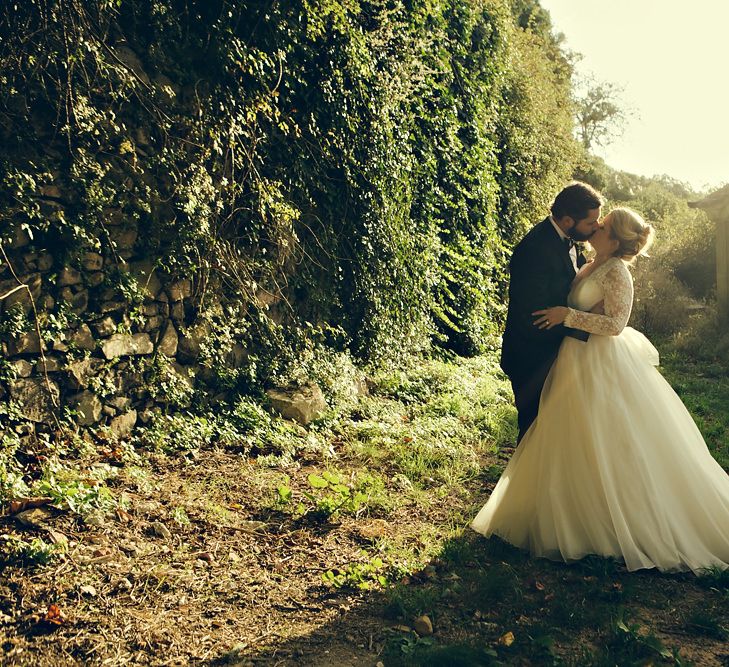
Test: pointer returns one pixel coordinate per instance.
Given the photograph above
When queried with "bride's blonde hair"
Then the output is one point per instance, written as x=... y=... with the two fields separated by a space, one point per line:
x=634 y=235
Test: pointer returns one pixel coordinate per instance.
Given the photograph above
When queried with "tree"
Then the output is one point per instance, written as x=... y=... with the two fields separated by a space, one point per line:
x=600 y=112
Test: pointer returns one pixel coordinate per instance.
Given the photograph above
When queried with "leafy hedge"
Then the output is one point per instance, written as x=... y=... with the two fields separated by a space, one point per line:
x=366 y=163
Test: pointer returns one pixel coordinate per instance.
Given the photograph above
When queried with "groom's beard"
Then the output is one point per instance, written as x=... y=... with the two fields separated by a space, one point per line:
x=578 y=236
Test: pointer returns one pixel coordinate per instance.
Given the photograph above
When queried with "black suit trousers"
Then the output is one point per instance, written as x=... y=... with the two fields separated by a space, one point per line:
x=527 y=394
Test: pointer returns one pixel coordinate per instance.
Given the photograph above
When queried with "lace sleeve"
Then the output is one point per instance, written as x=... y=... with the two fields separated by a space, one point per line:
x=617 y=285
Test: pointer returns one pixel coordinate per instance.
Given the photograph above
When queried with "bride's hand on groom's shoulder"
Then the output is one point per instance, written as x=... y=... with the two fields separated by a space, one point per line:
x=550 y=317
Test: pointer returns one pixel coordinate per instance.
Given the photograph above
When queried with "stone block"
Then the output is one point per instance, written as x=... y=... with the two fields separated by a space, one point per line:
x=105 y=327
x=22 y=368
x=33 y=398
x=94 y=279
x=87 y=406
x=26 y=343
x=68 y=276
x=123 y=425
x=303 y=404
x=121 y=345
x=92 y=261
x=147 y=275
x=180 y=289
x=168 y=341
x=80 y=372
x=83 y=339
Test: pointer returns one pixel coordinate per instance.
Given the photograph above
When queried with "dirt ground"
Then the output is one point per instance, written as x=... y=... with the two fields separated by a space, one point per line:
x=239 y=582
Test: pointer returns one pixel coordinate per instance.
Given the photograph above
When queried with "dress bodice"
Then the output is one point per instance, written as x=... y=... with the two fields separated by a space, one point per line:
x=585 y=294
x=610 y=283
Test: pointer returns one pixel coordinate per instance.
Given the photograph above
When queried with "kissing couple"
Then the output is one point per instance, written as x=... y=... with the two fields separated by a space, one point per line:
x=609 y=461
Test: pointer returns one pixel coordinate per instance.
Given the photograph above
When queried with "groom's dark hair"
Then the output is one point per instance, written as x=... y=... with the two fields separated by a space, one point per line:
x=575 y=201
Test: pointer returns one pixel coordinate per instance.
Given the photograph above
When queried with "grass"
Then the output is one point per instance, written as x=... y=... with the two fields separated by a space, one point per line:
x=370 y=506
x=704 y=389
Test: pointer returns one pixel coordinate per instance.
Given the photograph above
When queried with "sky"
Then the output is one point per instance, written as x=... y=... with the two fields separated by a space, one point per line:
x=671 y=57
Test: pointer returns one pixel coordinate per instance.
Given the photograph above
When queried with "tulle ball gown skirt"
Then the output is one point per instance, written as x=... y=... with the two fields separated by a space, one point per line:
x=614 y=465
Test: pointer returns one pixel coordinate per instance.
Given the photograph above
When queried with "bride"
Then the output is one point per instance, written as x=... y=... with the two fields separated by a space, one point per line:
x=613 y=465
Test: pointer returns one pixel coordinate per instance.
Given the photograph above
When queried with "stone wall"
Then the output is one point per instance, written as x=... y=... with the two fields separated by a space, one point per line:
x=95 y=345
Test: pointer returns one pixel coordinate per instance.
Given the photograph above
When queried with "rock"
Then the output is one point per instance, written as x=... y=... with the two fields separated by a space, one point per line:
x=188 y=349
x=121 y=403
x=108 y=411
x=105 y=327
x=68 y=276
x=52 y=364
x=92 y=261
x=120 y=345
x=52 y=191
x=122 y=425
x=168 y=341
x=30 y=261
x=87 y=406
x=154 y=323
x=124 y=584
x=146 y=275
x=302 y=405
x=112 y=306
x=180 y=289
x=361 y=386
x=108 y=294
x=87 y=590
x=177 y=311
x=146 y=416
x=166 y=85
x=95 y=279
x=34 y=518
x=113 y=217
x=45 y=262
x=21 y=297
x=238 y=356
x=142 y=138
x=33 y=398
x=97 y=519
x=131 y=60
x=82 y=371
x=186 y=374
x=20 y=238
x=57 y=537
x=266 y=299
x=27 y=343
x=423 y=626
x=80 y=302
x=124 y=236
x=160 y=530
x=150 y=309
x=22 y=368
x=83 y=338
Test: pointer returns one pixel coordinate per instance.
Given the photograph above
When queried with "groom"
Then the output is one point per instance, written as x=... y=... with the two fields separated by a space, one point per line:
x=542 y=268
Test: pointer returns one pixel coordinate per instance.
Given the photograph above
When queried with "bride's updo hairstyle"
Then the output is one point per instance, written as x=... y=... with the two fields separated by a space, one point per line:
x=634 y=234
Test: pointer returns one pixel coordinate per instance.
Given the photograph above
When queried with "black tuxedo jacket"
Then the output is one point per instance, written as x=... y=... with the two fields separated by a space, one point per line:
x=541 y=274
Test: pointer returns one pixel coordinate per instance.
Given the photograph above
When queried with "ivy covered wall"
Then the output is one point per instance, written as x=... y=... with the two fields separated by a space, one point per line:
x=256 y=174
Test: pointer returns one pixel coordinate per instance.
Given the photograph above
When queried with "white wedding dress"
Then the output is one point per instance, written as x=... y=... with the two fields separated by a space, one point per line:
x=614 y=464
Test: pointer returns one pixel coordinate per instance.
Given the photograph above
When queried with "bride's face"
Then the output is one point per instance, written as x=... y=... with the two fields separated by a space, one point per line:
x=602 y=241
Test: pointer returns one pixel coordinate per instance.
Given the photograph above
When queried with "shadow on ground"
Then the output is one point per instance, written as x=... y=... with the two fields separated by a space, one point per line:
x=490 y=604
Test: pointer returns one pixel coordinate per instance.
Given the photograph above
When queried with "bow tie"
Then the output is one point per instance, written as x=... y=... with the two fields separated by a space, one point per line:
x=568 y=242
